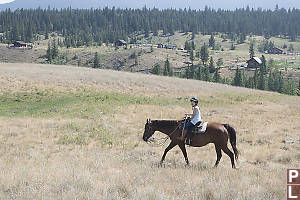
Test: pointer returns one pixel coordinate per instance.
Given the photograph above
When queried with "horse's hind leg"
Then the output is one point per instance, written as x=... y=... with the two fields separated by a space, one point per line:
x=171 y=145
x=183 y=149
x=219 y=155
x=230 y=154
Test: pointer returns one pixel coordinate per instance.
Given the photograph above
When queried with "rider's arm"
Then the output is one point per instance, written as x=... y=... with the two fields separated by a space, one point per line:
x=188 y=115
x=194 y=113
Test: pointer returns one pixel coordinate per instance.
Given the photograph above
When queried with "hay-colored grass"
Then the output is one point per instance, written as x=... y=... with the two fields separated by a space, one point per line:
x=80 y=145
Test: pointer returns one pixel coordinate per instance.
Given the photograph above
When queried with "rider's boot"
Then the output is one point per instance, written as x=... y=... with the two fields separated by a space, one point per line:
x=183 y=135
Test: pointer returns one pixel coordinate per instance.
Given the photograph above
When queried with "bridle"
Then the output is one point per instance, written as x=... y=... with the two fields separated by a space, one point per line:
x=164 y=139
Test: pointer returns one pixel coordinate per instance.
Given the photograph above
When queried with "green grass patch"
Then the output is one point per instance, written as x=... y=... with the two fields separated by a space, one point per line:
x=91 y=104
x=84 y=103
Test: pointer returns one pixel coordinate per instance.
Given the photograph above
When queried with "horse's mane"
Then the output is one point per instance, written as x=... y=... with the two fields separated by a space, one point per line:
x=165 y=122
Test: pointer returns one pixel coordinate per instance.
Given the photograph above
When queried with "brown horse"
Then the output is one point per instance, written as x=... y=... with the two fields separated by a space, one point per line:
x=215 y=133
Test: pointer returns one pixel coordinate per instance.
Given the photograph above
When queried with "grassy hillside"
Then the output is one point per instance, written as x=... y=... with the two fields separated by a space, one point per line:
x=124 y=58
x=75 y=133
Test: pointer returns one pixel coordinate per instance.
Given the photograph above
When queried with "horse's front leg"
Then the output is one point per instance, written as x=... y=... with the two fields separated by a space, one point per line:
x=182 y=147
x=171 y=146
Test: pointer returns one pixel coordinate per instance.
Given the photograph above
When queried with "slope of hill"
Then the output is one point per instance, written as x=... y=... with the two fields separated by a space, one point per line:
x=139 y=58
x=232 y=4
x=69 y=132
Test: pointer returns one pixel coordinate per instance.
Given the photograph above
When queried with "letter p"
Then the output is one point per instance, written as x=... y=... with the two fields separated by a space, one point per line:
x=293 y=174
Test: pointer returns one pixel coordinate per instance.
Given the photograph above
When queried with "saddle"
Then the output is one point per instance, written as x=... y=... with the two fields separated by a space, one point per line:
x=199 y=128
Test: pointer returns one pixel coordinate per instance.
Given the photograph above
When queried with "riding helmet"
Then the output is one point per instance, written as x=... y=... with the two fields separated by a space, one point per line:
x=194 y=100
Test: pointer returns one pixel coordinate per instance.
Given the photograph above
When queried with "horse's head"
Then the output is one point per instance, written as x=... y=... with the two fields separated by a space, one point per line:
x=149 y=131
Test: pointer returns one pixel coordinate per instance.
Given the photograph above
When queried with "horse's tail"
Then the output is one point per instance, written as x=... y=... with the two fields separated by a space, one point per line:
x=232 y=137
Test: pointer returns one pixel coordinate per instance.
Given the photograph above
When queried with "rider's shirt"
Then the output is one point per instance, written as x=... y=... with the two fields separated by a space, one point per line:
x=197 y=117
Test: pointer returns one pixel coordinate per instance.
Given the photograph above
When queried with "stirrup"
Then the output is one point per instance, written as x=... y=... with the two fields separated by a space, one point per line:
x=187 y=141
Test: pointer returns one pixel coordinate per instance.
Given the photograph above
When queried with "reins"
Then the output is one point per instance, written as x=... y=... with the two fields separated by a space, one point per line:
x=164 y=138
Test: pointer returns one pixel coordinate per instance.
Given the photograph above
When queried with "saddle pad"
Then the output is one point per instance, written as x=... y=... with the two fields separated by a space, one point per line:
x=202 y=127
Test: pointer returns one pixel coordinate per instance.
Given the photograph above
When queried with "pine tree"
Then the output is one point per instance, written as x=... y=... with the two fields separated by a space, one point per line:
x=220 y=62
x=193 y=46
x=29 y=34
x=280 y=83
x=242 y=38
x=255 y=79
x=121 y=24
x=261 y=79
x=291 y=48
x=187 y=72
x=193 y=35
x=271 y=81
x=232 y=47
x=96 y=61
x=15 y=33
x=198 y=54
x=298 y=91
x=212 y=68
x=54 y=49
x=204 y=55
x=192 y=58
x=199 y=73
x=263 y=66
x=49 y=53
x=244 y=78
x=289 y=88
x=156 y=69
x=168 y=71
x=250 y=83
x=46 y=35
x=192 y=72
x=237 y=81
x=217 y=77
x=206 y=76
x=165 y=73
x=251 y=50
x=187 y=46
x=284 y=46
x=212 y=41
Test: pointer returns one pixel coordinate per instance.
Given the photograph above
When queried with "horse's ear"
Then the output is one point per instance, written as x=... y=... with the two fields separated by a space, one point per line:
x=147 y=121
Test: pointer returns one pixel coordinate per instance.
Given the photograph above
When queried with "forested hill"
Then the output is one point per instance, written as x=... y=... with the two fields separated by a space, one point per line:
x=196 y=4
x=107 y=25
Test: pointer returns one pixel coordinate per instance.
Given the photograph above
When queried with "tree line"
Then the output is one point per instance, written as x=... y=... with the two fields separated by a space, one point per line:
x=89 y=26
x=266 y=77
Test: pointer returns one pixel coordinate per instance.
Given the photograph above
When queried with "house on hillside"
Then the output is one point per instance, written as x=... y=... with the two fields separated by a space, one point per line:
x=275 y=50
x=120 y=43
x=160 y=46
x=254 y=63
x=19 y=44
x=171 y=46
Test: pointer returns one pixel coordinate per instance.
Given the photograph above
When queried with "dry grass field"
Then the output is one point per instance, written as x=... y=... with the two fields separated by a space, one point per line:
x=76 y=133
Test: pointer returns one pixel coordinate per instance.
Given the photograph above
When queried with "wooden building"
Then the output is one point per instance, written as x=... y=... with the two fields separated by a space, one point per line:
x=160 y=46
x=275 y=50
x=20 y=44
x=254 y=63
x=120 y=43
